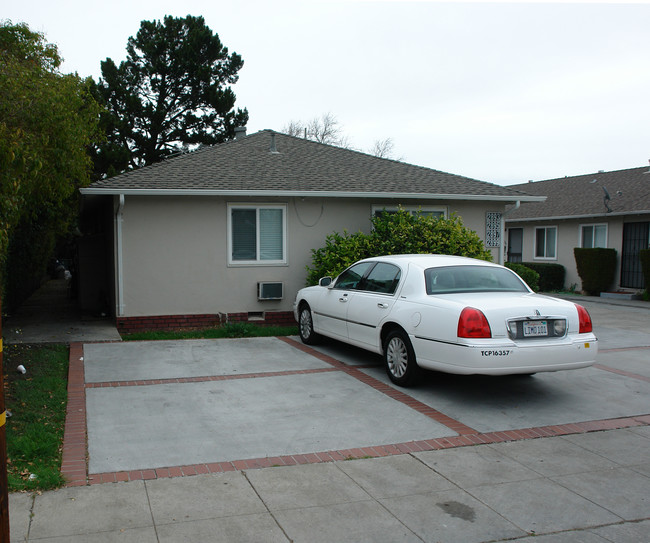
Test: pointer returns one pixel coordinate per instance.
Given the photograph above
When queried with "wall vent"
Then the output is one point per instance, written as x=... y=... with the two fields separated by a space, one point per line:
x=270 y=291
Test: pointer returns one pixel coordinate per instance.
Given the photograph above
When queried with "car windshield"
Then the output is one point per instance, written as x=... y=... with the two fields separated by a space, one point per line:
x=455 y=279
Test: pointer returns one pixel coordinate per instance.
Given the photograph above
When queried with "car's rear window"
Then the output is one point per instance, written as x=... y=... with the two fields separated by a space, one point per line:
x=455 y=279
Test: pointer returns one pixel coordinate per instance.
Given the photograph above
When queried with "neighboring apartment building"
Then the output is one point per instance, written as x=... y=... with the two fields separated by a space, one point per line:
x=605 y=209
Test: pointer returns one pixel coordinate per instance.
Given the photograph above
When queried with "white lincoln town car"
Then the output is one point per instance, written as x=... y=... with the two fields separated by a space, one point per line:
x=446 y=313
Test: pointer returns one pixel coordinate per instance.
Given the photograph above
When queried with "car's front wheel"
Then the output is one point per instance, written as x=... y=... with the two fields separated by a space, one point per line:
x=399 y=358
x=306 y=326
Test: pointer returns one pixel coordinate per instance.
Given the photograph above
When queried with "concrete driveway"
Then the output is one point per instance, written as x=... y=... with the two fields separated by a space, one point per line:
x=165 y=408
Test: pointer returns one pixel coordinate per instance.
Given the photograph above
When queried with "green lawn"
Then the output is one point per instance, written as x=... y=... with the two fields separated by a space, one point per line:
x=37 y=401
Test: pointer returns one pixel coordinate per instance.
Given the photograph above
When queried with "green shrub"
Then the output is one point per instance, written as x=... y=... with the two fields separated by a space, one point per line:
x=396 y=233
x=596 y=268
x=644 y=256
x=551 y=275
x=530 y=276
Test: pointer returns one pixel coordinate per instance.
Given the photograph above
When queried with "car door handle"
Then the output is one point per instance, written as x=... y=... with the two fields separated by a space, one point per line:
x=343 y=298
x=382 y=305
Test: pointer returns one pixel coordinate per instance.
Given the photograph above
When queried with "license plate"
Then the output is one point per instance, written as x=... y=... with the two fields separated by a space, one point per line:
x=535 y=328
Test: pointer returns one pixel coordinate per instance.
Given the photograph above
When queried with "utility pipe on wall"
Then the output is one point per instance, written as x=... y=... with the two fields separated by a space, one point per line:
x=119 y=267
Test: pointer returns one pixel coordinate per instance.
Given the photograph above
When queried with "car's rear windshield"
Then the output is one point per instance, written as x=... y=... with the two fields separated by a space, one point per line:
x=455 y=279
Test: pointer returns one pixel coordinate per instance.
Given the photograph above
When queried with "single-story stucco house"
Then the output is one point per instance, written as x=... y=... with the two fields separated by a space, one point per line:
x=226 y=232
x=604 y=209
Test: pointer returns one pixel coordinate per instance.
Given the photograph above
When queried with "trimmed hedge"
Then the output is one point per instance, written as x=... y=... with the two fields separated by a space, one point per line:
x=531 y=277
x=644 y=256
x=596 y=268
x=551 y=276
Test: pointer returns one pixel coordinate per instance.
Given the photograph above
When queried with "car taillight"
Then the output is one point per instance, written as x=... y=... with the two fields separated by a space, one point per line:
x=473 y=324
x=585 y=320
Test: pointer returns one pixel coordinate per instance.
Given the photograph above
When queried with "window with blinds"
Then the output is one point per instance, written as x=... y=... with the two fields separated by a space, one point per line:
x=257 y=234
x=593 y=235
x=546 y=242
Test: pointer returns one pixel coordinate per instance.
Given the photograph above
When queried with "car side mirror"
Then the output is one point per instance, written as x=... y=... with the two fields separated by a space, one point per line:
x=325 y=281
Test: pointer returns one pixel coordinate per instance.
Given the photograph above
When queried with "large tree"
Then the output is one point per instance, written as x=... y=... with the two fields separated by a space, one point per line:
x=47 y=121
x=171 y=93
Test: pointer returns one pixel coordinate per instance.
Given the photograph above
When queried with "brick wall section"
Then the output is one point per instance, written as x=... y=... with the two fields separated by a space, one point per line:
x=128 y=325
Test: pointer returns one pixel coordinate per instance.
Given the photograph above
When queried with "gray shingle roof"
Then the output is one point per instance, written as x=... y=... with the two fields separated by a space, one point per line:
x=583 y=195
x=300 y=166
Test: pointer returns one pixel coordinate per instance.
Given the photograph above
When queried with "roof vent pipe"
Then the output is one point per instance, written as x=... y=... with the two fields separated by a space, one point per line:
x=240 y=132
x=273 y=149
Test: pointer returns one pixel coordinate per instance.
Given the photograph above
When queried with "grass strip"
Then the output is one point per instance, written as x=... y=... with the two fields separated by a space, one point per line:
x=229 y=330
x=37 y=402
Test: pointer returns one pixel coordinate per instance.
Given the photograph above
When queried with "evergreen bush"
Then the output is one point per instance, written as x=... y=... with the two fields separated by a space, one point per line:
x=392 y=234
x=530 y=276
x=644 y=256
x=551 y=275
x=596 y=268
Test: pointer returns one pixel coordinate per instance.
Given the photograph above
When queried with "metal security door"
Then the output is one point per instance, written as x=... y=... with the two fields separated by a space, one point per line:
x=515 y=244
x=635 y=237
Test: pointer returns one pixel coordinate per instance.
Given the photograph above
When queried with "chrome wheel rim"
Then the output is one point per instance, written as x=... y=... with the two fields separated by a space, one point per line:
x=306 y=327
x=397 y=357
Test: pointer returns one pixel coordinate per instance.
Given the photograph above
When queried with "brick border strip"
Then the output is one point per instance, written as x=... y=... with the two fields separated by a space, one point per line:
x=389 y=391
x=74 y=465
x=204 y=378
x=369 y=452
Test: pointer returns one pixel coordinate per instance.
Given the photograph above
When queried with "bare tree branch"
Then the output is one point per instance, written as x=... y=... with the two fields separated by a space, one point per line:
x=383 y=148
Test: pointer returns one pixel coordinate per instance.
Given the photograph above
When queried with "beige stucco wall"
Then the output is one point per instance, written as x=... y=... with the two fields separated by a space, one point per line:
x=174 y=257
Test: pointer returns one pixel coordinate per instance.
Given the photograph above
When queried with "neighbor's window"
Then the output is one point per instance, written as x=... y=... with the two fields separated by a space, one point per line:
x=546 y=242
x=414 y=210
x=594 y=235
x=257 y=234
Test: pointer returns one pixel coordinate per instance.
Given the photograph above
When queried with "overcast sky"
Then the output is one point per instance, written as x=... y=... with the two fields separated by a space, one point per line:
x=501 y=92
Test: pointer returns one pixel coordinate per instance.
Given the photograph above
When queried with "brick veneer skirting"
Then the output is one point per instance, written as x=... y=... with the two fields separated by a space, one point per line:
x=128 y=325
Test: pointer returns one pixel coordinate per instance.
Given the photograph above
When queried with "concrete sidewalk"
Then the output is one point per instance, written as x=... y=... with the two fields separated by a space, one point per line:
x=591 y=487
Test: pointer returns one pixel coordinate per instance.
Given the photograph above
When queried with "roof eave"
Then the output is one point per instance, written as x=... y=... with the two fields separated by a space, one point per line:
x=307 y=194
x=583 y=216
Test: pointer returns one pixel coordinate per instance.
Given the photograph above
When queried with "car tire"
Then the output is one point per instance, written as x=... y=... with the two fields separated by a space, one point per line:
x=399 y=359
x=306 y=326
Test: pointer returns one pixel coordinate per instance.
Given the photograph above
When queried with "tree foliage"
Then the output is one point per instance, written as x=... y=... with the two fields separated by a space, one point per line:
x=47 y=122
x=171 y=93
x=392 y=234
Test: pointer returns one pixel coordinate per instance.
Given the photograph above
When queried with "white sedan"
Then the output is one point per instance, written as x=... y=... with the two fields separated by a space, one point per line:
x=446 y=313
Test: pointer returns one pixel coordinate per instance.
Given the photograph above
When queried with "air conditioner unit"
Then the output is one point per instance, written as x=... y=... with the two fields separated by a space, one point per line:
x=270 y=291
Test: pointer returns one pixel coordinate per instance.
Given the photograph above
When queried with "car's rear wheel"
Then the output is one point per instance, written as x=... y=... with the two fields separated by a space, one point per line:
x=306 y=326
x=399 y=358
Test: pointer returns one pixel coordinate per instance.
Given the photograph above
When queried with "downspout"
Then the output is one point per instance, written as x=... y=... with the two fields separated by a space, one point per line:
x=119 y=282
x=502 y=248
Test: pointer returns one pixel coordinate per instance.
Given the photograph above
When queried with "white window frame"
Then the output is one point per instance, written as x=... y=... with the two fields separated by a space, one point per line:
x=257 y=261
x=414 y=210
x=545 y=257
x=593 y=227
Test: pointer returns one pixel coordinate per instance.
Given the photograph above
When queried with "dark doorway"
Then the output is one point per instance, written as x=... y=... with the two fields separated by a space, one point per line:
x=636 y=236
x=515 y=244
